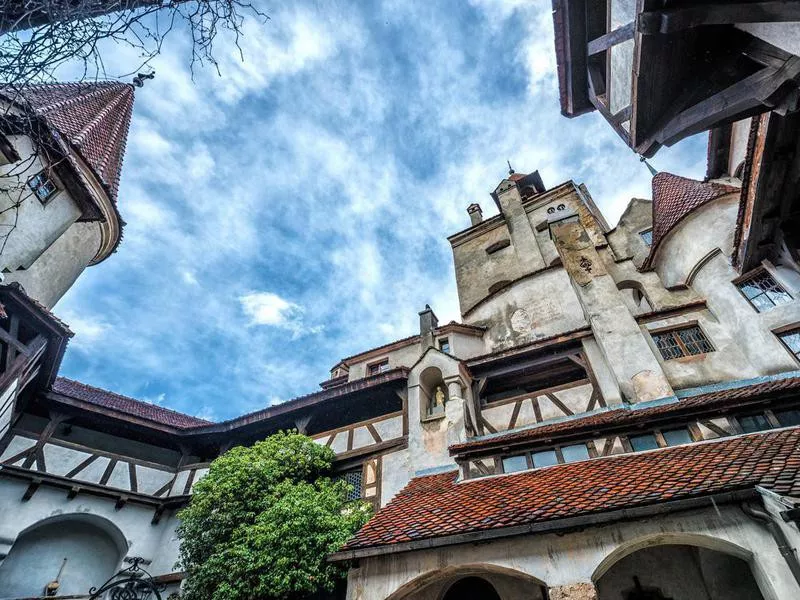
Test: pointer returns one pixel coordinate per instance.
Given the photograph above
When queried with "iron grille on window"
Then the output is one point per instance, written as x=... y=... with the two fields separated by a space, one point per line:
x=791 y=340
x=42 y=186
x=687 y=341
x=763 y=292
x=353 y=478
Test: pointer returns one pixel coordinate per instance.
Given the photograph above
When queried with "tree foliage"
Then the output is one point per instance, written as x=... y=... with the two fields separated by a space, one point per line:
x=262 y=521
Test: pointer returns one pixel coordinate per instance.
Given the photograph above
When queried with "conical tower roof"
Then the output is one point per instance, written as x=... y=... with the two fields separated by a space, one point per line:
x=674 y=197
x=92 y=117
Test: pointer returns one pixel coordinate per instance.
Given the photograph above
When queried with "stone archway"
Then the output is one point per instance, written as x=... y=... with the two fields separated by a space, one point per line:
x=472 y=582
x=471 y=588
x=93 y=548
x=684 y=568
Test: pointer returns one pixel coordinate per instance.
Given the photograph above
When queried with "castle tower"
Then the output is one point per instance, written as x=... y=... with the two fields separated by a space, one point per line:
x=61 y=151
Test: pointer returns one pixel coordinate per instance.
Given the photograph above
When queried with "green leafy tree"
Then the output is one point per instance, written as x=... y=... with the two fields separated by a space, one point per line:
x=262 y=521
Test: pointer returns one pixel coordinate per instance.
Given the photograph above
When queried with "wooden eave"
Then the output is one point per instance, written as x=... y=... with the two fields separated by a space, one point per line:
x=770 y=202
x=569 y=23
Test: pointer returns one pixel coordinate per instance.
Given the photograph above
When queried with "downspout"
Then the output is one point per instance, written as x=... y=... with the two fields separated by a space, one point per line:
x=784 y=547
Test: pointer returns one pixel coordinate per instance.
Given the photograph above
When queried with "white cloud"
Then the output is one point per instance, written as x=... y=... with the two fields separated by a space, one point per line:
x=266 y=308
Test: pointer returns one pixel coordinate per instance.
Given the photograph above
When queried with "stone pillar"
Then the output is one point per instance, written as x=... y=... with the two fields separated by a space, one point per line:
x=519 y=226
x=622 y=342
x=574 y=591
x=454 y=411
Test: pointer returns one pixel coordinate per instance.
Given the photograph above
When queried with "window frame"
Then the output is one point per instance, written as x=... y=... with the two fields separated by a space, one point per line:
x=49 y=178
x=788 y=330
x=761 y=271
x=377 y=365
x=673 y=330
x=444 y=341
x=643 y=233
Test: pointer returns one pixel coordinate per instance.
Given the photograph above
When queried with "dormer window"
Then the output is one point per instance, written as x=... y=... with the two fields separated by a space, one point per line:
x=378 y=367
x=43 y=187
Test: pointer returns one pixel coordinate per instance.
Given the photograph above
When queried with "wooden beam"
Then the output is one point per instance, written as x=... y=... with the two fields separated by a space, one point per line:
x=746 y=95
x=31 y=490
x=718 y=13
x=612 y=38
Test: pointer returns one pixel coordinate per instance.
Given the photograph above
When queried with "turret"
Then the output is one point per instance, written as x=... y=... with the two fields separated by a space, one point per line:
x=62 y=147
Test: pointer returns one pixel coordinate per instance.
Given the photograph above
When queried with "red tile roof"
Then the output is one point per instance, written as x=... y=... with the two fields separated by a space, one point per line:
x=93 y=117
x=124 y=404
x=628 y=416
x=436 y=505
x=674 y=198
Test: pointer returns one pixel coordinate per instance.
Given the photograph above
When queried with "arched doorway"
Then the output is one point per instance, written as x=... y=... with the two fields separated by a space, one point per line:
x=471 y=588
x=472 y=582
x=678 y=572
x=92 y=548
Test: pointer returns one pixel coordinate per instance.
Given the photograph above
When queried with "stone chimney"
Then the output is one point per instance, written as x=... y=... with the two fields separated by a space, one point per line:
x=427 y=325
x=475 y=213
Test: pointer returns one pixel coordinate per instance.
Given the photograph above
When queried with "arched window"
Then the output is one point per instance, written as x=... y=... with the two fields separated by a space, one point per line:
x=73 y=552
x=471 y=588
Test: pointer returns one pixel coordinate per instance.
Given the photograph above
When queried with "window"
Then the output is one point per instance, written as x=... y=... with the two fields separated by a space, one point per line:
x=545 y=458
x=515 y=463
x=762 y=291
x=575 y=453
x=640 y=443
x=647 y=236
x=791 y=339
x=41 y=185
x=378 y=367
x=444 y=345
x=787 y=418
x=676 y=437
x=353 y=478
x=753 y=423
x=687 y=341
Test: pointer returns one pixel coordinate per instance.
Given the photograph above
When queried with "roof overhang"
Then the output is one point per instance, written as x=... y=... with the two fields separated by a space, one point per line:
x=710 y=501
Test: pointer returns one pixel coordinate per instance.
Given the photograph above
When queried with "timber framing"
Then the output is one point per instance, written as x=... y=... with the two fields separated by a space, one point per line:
x=716 y=72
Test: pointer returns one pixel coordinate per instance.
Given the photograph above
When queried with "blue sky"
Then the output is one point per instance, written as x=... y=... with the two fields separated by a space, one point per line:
x=293 y=210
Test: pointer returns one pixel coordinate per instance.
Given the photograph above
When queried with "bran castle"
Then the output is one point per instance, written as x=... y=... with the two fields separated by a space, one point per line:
x=616 y=416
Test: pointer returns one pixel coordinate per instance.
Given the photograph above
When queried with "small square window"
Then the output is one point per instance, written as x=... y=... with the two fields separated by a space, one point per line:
x=378 y=367
x=640 y=443
x=763 y=292
x=753 y=423
x=676 y=437
x=545 y=458
x=647 y=236
x=444 y=345
x=515 y=463
x=787 y=418
x=791 y=339
x=42 y=186
x=575 y=453
x=686 y=341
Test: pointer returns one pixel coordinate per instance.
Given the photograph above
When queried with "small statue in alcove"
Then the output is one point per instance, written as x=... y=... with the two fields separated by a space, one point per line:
x=439 y=399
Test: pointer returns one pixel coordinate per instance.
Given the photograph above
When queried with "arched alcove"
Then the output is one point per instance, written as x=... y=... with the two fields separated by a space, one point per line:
x=93 y=548
x=433 y=394
x=634 y=296
x=681 y=567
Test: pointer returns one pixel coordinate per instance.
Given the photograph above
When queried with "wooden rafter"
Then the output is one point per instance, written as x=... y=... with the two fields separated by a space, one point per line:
x=718 y=13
